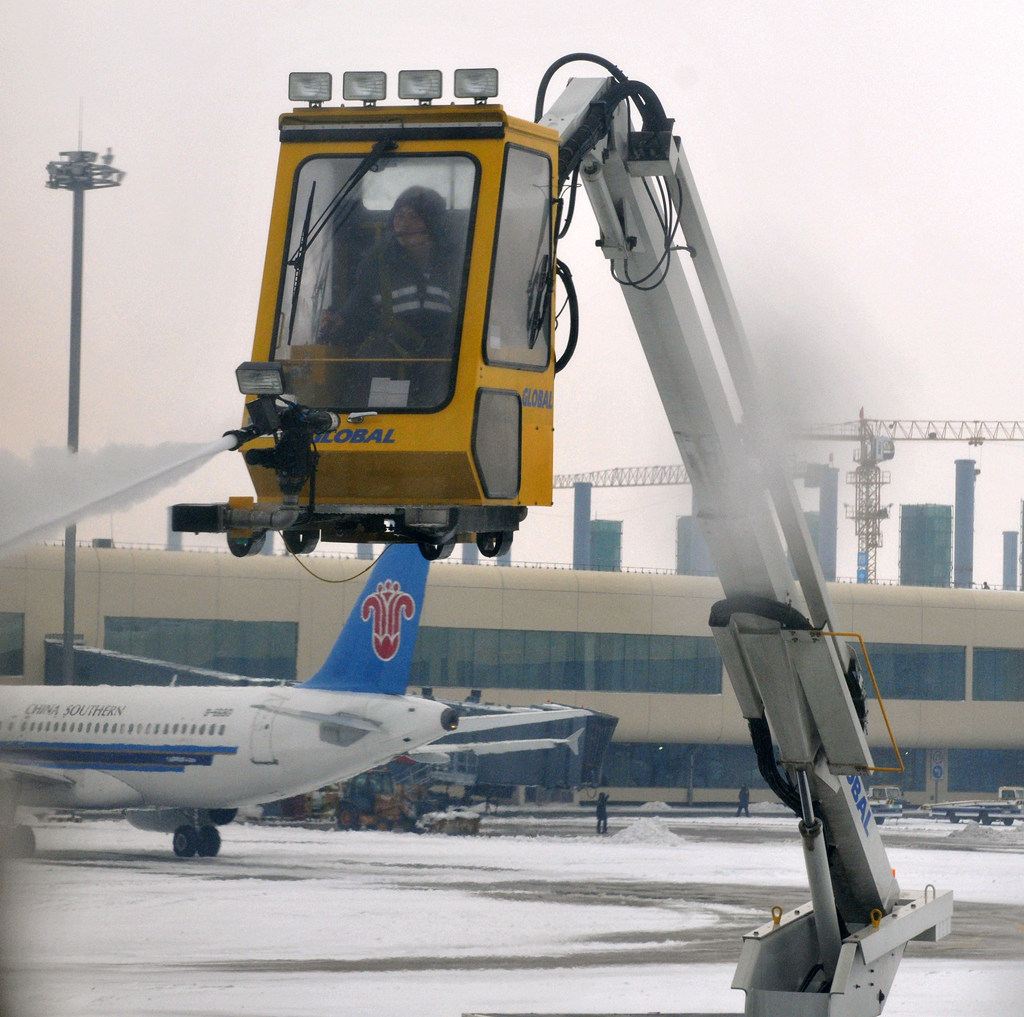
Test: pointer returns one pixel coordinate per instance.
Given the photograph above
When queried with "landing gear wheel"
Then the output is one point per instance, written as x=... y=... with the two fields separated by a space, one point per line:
x=347 y=816
x=494 y=545
x=242 y=547
x=185 y=841
x=208 y=842
x=300 y=541
x=435 y=552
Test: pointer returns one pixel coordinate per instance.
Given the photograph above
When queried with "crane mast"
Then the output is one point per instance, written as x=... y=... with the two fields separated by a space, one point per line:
x=797 y=681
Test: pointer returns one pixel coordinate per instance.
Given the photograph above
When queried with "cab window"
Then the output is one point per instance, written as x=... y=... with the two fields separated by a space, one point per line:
x=373 y=281
x=518 y=327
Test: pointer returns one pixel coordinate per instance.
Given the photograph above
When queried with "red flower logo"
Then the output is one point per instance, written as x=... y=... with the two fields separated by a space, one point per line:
x=388 y=605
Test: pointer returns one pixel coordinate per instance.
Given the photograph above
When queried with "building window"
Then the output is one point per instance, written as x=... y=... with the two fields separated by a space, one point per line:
x=984 y=771
x=998 y=674
x=12 y=643
x=601 y=661
x=906 y=671
x=656 y=764
x=254 y=649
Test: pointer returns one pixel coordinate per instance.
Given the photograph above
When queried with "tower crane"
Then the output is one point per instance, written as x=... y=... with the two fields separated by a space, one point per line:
x=876 y=440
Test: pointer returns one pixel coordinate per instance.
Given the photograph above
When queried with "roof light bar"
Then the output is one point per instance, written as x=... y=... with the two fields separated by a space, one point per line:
x=313 y=87
x=479 y=83
x=366 y=87
x=421 y=85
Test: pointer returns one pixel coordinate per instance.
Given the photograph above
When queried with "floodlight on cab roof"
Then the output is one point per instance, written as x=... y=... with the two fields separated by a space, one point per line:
x=313 y=87
x=477 y=83
x=424 y=86
x=367 y=87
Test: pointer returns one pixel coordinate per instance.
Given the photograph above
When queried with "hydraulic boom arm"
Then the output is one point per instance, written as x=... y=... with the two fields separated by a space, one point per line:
x=797 y=683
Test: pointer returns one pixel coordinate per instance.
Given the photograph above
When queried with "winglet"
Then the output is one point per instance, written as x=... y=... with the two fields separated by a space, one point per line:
x=374 y=651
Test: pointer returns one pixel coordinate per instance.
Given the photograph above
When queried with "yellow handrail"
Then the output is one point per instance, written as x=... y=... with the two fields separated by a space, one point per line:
x=881 y=704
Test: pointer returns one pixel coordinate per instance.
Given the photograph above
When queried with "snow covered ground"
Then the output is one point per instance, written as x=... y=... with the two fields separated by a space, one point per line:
x=292 y=921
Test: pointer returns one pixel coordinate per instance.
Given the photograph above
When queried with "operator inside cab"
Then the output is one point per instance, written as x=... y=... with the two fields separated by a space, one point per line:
x=375 y=280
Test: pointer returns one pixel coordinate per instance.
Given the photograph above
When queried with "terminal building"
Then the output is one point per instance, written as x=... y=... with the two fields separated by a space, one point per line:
x=949 y=662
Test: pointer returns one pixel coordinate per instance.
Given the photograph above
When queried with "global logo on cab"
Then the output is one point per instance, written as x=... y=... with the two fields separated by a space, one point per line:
x=356 y=436
x=539 y=398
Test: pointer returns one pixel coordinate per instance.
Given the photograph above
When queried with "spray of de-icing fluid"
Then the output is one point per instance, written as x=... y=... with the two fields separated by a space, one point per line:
x=42 y=495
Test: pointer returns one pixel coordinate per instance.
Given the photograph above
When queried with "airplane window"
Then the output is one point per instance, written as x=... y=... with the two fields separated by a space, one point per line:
x=23 y=725
x=174 y=730
x=167 y=728
x=222 y=729
x=202 y=729
x=88 y=727
x=131 y=728
x=193 y=730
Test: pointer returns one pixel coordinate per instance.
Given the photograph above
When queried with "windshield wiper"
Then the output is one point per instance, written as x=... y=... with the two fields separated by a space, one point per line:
x=310 y=233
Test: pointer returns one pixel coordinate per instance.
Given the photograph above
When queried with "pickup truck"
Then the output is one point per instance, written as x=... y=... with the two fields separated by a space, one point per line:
x=886 y=801
x=1007 y=806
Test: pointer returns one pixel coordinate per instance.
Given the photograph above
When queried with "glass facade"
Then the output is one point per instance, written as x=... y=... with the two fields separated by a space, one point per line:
x=998 y=674
x=12 y=643
x=985 y=770
x=585 y=661
x=255 y=649
x=652 y=764
x=915 y=768
x=910 y=671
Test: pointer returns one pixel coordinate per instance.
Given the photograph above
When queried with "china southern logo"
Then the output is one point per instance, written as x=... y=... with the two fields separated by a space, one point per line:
x=388 y=605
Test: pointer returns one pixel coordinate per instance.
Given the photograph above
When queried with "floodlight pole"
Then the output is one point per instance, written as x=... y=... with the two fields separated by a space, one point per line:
x=77 y=172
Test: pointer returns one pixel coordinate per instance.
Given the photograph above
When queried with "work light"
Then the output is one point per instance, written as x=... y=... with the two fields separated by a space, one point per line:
x=421 y=85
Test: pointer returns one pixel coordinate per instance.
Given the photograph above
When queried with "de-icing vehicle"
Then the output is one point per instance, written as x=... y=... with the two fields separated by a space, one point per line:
x=467 y=426
x=403 y=361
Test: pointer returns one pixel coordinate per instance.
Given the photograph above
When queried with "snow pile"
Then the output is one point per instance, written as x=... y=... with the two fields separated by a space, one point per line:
x=647 y=831
x=655 y=807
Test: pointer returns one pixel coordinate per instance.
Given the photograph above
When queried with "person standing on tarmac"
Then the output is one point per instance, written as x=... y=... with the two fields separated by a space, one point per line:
x=602 y=813
x=743 y=809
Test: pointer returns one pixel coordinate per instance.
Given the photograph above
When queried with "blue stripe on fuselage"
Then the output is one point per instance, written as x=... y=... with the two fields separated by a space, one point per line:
x=123 y=756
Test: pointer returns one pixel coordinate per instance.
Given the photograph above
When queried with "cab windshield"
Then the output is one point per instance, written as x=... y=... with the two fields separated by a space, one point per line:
x=373 y=285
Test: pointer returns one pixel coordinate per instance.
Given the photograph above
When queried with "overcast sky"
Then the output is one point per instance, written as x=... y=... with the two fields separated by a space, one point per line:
x=862 y=166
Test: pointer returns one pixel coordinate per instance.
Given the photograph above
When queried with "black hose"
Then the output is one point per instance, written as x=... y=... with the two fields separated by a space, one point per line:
x=574 y=315
x=542 y=88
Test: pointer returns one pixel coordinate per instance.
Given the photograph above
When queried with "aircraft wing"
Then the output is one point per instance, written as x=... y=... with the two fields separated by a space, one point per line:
x=435 y=752
x=513 y=718
x=36 y=774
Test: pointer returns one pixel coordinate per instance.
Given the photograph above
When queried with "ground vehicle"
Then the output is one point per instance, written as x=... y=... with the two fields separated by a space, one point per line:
x=372 y=800
x=798 y=682
x=886 y=802
x=1006 y=807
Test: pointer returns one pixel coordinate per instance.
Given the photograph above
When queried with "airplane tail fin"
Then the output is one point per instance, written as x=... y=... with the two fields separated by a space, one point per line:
x=374 y=651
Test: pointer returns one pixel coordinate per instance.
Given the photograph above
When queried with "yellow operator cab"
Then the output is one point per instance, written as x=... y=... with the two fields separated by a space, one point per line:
x=403 y=361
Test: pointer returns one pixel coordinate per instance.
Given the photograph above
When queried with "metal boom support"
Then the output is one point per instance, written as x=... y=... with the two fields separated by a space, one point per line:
x=796 y=682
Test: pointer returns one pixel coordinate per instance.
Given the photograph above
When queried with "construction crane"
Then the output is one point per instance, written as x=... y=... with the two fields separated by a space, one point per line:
x=876 y=440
